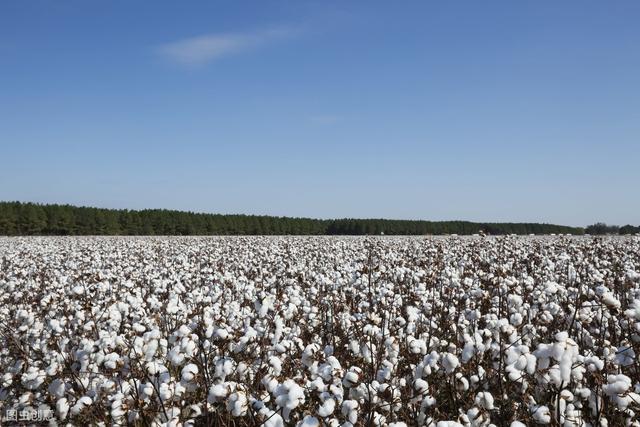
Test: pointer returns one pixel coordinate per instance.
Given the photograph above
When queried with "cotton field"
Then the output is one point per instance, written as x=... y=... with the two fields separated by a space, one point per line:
x=313 y=331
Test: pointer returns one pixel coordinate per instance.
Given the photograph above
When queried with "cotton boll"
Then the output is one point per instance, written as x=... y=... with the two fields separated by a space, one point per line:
x=617 y=384
x=217 y=393
x=450 y=362
x=289 y=396
x=276 y=365
x=350 y=379
x=420 y=386
x=350 y=410
x=327 y=408
x=541 y=414
x=237 y=404
x=111 y=360
x=309 y=421
x=175 y=356
x=189 y=372
x=62 y=408
x=81 y=404
x=57 y=388
x=484 y=400
x=610 y=300
x=146 y=389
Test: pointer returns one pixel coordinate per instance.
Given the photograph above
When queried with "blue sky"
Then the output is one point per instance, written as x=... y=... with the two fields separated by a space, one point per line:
x=488 y=111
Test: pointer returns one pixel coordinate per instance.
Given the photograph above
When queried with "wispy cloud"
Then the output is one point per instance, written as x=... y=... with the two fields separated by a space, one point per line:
x=203 y=49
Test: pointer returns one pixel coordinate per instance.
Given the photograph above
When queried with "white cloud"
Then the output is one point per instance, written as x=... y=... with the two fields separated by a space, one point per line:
x=200 y=50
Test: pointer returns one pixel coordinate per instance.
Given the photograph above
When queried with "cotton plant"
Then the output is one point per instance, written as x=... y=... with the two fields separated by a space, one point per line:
x=310 y=331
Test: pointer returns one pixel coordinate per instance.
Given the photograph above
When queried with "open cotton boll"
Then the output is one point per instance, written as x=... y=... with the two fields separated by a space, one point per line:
x=541 y=414
x=217 y=393
x=625 y=356
x=238 y=404
x=55 y=326
x=175 y=356
x=111 y=360
x=484 y=400
x=450 y=362
x=517 y=424
x=350 y=410
x=288 y=396
x=617 y=384
x=327 y=407
x=350 y=379
x=610 y=300
x=78 y=290
x=57 y=388
x=276 y=365
x=309 y=421
x=33 y=378
x=420 y=386
x=189 y=372
x=81 y=404
x=62 y=408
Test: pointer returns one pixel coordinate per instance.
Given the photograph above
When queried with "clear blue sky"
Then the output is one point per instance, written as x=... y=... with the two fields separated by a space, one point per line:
x=478 y=110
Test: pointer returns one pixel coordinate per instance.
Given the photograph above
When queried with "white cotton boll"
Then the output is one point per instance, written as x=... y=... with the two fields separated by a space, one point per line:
x=625 y=356
x=276 y=365
x=450 y=362
x=484 y=399
x=149 y=349
x=516 y=319
x=175 y=356
x=147 y=389
x=289 y=396
x=462 y=384
x=139 y=328
x=269 y=418
x=350 y=379
x=237 y=404
x=350 y=410
x=468 y=351
x=449 y=424
x=562 y=336
x=420 y=386
x=610 y=300
x=62 y=408
x=189 y=372
x=33 y=378
x=327 y=408
x=111 y=360
x=78 y=290
x=309 y=421
x=81 y=404
x=217 y=393
x=221 y=333
x=57 y=388
x=398 y=424
x=55 y=326
x=633 y=311
x=517 y=424
x=541 y=414
x=617 y=384
x=165 y=392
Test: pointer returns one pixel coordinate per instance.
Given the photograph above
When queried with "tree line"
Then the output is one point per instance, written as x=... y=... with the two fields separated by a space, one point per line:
x=18 y=218
x=601 y=228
